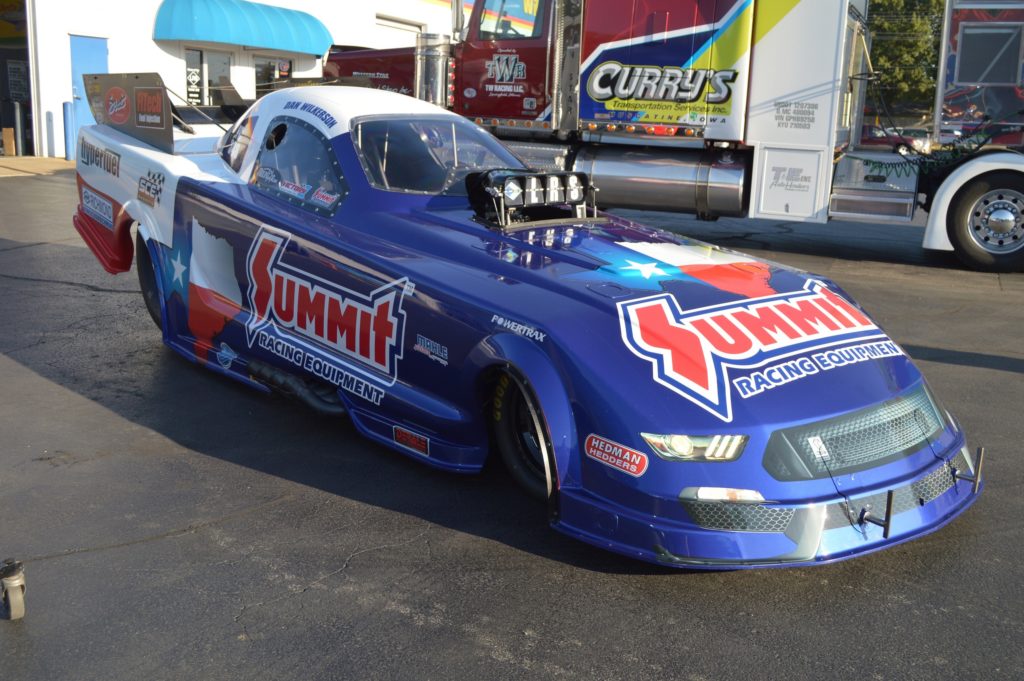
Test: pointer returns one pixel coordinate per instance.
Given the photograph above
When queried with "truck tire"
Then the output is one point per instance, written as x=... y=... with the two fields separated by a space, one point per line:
x=147 y=280
x=986 y=222
x=520 y=436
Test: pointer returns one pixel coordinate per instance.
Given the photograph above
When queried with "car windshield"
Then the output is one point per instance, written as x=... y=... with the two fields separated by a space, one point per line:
x=426 y=154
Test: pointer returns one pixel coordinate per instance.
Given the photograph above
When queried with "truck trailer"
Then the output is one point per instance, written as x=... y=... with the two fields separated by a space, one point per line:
x=749 y=108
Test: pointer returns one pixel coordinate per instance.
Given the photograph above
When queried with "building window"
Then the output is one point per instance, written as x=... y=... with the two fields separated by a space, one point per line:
x=271 y=73
x=207 y=74
x=989 y=54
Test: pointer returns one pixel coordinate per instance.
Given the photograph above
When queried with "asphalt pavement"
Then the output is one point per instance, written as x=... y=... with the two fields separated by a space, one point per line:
x=176 y=525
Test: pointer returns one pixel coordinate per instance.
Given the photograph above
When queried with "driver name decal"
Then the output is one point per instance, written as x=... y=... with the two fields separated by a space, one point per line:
x=693 y=353
x=311 y=321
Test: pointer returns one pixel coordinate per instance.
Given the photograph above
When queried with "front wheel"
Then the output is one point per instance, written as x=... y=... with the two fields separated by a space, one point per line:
x=521 y=437
x=986 y=222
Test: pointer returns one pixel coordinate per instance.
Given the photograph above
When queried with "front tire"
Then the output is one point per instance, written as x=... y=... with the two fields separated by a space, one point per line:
x=147 y=280
x=986 y=222
x=521 y=437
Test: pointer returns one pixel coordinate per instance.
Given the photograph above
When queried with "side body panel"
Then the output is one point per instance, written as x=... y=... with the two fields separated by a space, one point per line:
x=667 y=62
x=392 y=70
x=981 y=75
x=795 y=93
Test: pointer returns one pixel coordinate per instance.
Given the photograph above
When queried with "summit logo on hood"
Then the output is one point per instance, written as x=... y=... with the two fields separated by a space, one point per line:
x=692 y=353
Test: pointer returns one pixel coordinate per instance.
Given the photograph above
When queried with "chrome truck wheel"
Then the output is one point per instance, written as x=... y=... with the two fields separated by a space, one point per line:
x=986 y=223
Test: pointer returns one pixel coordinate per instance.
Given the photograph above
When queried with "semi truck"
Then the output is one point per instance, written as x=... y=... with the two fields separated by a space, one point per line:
x=749 y=108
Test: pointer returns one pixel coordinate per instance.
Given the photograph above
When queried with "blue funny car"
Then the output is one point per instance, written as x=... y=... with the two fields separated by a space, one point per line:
x=377 y=257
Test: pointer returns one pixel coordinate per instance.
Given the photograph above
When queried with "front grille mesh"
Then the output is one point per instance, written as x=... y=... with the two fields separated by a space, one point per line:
x=715 y=515
x=914 y=495
x=854 y=441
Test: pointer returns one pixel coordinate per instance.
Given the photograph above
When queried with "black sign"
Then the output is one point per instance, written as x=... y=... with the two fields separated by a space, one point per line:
x=193 y=86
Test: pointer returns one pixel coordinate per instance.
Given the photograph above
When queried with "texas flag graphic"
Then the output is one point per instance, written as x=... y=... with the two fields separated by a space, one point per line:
x=214 y=297
x=723 y=270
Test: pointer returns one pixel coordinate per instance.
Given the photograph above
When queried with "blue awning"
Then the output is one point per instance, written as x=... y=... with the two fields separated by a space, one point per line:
x=238 y=22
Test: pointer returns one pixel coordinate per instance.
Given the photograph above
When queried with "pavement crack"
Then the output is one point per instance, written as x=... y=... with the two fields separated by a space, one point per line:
x=73 y=284
x=21 y=246
x=190 y=529
x=324 y=577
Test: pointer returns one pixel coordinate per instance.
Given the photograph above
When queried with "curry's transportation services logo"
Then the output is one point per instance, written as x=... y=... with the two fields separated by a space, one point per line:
x=321 y=327
x=799 y=334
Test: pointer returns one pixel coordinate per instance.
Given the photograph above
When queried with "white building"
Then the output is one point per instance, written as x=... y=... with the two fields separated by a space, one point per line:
x=196 y=45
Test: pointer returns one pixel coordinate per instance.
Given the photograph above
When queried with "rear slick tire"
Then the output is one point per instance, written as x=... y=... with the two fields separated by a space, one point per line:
x=147 y=280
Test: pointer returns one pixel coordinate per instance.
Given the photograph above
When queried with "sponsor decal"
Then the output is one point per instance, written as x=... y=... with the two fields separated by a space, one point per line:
x=97 y=207
x=529 y=103
x=324 y=198
x=790 y=179
x=786 y=372
x=379 y=75
x=268 y=177
x=612 y=80
x=91 y=155
x=519 y=328
x=151 y=187
x=314 y=111
x=298 y=191
x=402 y=90
x=696 y=354
x=432 y=349
x=469 y=93
x=226 y=356
x=116 y=104
x=619 y=457
x=149 y=107
x=410 y=440
x=504 y=68
x=326 y=329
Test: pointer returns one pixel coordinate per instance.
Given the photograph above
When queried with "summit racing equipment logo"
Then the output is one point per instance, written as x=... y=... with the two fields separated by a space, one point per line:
x=693 y=353
x=315 y=323
x=612 y=80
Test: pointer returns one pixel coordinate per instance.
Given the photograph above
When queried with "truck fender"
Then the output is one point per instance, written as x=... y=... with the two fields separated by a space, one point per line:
x=533 y=368
x=936 y=235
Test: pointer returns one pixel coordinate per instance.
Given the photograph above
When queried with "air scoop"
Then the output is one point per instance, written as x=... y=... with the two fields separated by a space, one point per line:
x=510 y=199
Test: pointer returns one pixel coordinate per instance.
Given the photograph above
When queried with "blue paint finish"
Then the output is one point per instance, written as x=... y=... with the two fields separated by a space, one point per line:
x=237 y=22
x=88 y=55
x=545 y=305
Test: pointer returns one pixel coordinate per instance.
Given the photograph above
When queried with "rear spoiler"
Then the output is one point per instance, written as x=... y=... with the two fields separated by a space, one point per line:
x=133 y=103
x=138 y=104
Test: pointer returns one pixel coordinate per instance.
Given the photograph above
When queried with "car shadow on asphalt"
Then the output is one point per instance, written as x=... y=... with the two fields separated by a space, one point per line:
x=969 y=359
x=70 y=323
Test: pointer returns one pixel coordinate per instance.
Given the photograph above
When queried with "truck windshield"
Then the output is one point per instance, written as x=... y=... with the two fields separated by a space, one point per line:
x=426 y=154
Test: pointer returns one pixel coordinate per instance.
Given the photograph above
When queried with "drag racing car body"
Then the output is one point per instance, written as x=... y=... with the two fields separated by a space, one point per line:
x=375 y=256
